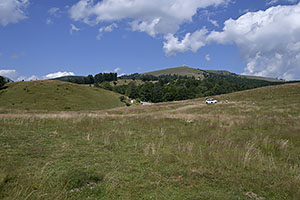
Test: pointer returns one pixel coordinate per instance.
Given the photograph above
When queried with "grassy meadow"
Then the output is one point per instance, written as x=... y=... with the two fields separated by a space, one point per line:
x=50 y=95
x=176 y=150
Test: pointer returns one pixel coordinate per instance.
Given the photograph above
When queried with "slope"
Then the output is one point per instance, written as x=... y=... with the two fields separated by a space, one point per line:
x=201 y=74
x=56 y=95
x=177 y=150
x=182 y=71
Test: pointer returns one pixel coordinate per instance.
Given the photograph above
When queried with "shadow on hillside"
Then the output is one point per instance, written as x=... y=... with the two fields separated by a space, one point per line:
x=4 y=87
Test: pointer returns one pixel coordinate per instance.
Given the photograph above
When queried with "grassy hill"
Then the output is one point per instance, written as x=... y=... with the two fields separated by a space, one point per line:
x=67 y=78
x=177 y=150
x=262 y=78
x=56 y=95
x=199 y=73
x=182 y=71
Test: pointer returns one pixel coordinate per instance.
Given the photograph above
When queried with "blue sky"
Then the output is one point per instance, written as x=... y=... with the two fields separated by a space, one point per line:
x=42 y=39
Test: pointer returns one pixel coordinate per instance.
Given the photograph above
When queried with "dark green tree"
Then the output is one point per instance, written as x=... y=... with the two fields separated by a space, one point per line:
x=2 y=81
x=106 y=85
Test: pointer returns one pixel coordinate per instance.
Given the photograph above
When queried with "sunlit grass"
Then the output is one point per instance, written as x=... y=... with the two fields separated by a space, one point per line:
x=179 y=150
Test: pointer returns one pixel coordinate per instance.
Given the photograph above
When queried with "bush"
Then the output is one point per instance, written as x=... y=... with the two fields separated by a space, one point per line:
x=122 y=98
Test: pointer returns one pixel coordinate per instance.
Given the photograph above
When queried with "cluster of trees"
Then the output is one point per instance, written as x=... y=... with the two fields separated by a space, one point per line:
x=173 y=88
x=142 y=77
x=147 y=77
x=2 y=81
x=97 y=79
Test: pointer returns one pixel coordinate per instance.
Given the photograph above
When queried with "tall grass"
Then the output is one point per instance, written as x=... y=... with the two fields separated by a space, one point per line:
x=182 y=150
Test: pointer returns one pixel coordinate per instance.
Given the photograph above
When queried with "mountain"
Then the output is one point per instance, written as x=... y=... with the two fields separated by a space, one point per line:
x=56 y=95
x=202 y=74
x=181 y=71
x=67 y=78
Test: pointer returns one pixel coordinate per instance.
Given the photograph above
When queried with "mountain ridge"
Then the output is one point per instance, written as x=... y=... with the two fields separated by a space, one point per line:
x=201 y=73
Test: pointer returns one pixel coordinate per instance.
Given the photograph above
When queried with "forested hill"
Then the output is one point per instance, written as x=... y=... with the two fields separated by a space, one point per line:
x=175 y=87
x=175 y=84
x=202 y=74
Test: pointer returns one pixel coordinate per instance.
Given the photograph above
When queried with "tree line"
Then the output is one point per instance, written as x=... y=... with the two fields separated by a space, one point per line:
x=97 y=79
x=174 y=88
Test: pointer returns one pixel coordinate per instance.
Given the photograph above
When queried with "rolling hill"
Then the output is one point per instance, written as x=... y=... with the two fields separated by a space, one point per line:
x=56 y=95
x=175 y=150
x=201 y=74
x=182 y=71
x=67 y=78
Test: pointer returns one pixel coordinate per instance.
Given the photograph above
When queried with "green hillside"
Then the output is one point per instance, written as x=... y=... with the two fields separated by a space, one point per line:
x=201 y=74
x=67 y=78
x=182 y=71
x=262 y=78
x=56 y=95
x=175 y=150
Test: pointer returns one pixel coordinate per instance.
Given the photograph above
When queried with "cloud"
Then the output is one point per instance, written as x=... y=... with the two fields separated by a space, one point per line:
x=54 y=12
x=9 y=73
x=153 y=17
x=12 y=11
x=73 y=28
x=58 y=74
x=272 y=2
x=117 y=69
x=269 y=41
x=119 y=75
x=49 y=21
x=213 y=22
x=207 y=57
x=109 y=28
x=31 y=78
x=191 y=42
x=14 y=75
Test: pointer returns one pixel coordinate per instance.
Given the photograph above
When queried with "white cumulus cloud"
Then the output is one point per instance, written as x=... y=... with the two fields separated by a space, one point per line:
x=9 y=73
x=191 y=42
x=268 y=40
x=153 y=17
x=14 y=75
x=58 y=74
x=12 y=11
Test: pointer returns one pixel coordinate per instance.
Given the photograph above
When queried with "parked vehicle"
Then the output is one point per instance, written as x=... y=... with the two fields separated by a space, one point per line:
x=211 y=101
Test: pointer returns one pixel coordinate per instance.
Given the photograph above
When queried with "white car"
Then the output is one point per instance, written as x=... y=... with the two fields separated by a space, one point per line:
x=211 y=101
